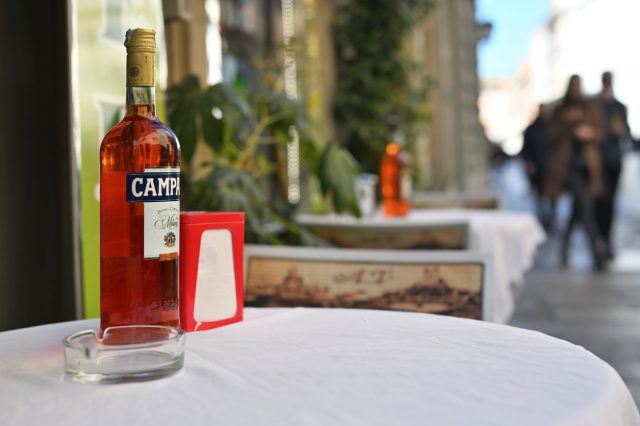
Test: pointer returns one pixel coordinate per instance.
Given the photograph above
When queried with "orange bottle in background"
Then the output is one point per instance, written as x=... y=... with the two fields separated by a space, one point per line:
x=395 y=179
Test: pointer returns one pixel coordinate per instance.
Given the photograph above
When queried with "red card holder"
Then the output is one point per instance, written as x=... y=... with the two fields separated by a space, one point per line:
x=211 y=269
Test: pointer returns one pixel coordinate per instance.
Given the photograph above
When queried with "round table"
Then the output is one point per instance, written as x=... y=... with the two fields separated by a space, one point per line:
x=328 y=367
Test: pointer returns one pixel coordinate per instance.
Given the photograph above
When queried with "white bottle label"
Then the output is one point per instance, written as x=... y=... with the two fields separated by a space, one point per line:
x=159 y=190
x=161 y=229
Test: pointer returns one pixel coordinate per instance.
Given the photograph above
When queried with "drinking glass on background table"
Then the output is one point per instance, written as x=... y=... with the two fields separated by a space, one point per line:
x=365 y=186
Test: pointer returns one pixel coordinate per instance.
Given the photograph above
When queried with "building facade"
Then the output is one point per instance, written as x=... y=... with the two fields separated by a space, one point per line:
x=453 y=151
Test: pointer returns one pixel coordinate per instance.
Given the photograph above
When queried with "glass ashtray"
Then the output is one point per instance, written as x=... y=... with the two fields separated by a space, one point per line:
x=124 y=354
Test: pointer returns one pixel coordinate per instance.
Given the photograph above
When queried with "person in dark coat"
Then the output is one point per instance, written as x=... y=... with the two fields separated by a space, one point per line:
x=575 y=132
x=616 y=129
x=535 y=154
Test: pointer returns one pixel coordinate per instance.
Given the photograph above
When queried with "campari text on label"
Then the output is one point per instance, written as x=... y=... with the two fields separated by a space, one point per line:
x=153 y=187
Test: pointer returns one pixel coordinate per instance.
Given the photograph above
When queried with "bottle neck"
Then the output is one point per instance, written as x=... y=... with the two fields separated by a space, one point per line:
x=141 y=100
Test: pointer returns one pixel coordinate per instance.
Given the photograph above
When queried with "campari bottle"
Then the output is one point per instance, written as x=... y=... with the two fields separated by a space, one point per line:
x=139 y=204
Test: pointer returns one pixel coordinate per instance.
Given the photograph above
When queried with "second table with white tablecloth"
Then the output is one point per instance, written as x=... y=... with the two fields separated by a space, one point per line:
x=510 y=238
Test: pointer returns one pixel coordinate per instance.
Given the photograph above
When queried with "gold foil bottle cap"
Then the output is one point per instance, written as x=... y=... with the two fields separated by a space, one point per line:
x=141 y=50
x=140 y=40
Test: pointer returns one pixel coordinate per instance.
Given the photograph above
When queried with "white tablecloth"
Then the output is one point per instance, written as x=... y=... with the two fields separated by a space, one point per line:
x=328 y=367
x=510 y=238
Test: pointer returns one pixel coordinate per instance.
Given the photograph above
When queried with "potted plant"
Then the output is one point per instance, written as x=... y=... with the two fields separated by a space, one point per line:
x=242 y=132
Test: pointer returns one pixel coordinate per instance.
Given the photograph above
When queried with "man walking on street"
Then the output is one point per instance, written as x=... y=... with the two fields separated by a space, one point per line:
x=535 y=154
x=616 y=129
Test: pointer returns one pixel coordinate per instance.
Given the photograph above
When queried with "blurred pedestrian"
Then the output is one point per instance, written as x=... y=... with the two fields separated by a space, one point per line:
x=575 y=132
x=616 y=130
x=535 y=153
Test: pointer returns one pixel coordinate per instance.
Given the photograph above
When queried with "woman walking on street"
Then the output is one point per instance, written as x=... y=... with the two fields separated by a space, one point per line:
x=575 y=131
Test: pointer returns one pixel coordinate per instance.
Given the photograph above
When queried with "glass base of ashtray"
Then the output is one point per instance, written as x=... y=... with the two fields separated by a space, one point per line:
x=124 y=354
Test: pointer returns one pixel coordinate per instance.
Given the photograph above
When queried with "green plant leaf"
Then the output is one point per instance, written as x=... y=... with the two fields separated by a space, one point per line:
x=212 y=116
x=182 y=102
x=337 y=172
x=234 y=119
x=309 y=150
x=230 y=190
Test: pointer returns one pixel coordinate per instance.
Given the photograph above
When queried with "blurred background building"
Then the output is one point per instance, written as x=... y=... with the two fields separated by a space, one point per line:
x=61 y=93
x=54 y=150
x=453 y=151
x=563 y=37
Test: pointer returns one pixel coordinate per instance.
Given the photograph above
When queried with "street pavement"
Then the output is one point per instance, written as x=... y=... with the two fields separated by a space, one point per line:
x=597 y=310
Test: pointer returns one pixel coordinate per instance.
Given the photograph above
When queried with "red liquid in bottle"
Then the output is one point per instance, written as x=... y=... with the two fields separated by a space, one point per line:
x=134 y=290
